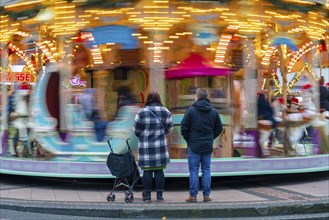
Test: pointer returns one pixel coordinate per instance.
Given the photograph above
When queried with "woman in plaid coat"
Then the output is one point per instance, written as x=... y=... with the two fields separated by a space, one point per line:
x=152 y=124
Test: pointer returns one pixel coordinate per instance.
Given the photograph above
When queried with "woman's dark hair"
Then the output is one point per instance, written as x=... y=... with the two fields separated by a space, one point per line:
x=153 y=98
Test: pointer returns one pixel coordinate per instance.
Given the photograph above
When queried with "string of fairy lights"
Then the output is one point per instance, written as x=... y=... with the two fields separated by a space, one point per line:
x=222 y=48
x=22 y=55
x=299 y=73
x=292 y=83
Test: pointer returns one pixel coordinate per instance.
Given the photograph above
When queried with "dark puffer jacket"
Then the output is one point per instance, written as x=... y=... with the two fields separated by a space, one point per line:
x=201 y=124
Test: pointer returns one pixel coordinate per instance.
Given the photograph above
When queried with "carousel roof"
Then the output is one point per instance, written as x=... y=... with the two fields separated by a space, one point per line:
x=21 y=9
x=196 y=65
x=177 y=19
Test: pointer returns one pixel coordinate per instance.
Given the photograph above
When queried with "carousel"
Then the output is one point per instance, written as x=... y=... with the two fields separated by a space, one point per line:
x=74 y=74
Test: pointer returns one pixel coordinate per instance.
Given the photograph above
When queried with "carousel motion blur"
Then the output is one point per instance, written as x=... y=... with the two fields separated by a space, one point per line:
x=74 y=74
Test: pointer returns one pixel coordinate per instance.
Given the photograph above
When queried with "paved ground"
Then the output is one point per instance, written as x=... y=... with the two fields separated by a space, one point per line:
x=233 y=197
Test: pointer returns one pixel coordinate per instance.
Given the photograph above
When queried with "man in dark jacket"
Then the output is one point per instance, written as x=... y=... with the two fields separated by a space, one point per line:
x=201 y=124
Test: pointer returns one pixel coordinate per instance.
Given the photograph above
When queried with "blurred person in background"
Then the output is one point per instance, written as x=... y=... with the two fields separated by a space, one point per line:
x=265 y=110
x=89 y=107
x=125 y=97
x=265 y=119
x=324 y=96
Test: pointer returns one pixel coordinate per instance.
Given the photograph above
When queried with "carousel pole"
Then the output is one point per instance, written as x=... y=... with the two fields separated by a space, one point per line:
x=283 y=58
x=65 y=75
x=322 y=50
x=320 y=63
x=4 y=117
x=156 y=64
x=250 y=83
x=287 y=146
x=283 y=70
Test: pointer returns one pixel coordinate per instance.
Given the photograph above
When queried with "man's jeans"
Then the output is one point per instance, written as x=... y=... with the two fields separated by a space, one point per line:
x=194 y=161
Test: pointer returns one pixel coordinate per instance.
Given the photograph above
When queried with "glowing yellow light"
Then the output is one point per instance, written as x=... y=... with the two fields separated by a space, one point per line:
x=67 y=17
x=301 y=2
x=64 y=12
x=156 y=6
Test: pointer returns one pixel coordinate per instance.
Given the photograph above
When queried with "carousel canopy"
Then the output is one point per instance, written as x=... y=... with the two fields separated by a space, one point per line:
x=114 y=34
x=196 y=65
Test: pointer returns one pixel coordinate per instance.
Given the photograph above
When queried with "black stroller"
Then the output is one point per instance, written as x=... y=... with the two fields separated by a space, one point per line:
x=125 y=170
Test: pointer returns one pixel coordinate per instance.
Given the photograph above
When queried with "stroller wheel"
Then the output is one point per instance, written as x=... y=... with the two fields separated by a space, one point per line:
x=129 y=198
x=110 y=197
x=127 y=193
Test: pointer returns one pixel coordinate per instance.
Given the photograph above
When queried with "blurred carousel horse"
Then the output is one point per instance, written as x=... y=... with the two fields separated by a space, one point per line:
x=323 y=126
x=295 y=126
x=265 y=129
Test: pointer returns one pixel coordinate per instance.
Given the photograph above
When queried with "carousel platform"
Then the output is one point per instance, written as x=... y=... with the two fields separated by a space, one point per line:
x=237 y=166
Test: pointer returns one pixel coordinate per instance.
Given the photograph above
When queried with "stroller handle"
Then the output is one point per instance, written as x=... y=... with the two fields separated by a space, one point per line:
x=127 y=141
x=108 y=141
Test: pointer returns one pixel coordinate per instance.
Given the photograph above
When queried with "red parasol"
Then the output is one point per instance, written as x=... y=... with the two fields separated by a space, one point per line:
x=196 y=65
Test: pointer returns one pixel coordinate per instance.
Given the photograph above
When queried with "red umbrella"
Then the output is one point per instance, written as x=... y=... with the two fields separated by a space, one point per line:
x=196 y=65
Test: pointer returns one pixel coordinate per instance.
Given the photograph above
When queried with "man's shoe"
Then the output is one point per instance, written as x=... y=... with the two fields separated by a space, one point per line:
x=207 y=199
x=191 y=199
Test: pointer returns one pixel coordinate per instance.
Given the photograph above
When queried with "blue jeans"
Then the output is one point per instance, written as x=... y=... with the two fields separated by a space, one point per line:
x=194 y=161
x=148 y=180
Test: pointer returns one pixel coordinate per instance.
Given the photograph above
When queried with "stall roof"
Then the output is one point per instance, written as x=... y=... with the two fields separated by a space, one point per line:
x=196 y=65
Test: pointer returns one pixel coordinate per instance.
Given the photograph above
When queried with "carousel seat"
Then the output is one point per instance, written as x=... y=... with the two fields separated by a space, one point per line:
x=266 y=125
x=295 y=124
x=281 y=125
x=307 y=120
x=294 y=120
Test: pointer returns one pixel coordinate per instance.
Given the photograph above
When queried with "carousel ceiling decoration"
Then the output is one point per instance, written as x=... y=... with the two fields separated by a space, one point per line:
x=169 y=19
x=222 y=47
x=306 y=70
x=162 y=15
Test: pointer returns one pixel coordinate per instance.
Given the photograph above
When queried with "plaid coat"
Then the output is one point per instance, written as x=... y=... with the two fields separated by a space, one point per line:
x=151 y=134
